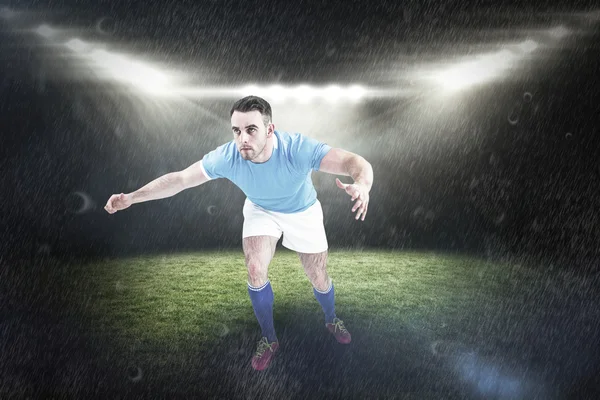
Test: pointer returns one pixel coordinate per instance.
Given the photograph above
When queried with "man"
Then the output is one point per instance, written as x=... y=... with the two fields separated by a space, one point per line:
x=273 y=169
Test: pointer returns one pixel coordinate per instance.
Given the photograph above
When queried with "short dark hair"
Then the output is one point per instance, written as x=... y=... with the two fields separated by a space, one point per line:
x=251 y=103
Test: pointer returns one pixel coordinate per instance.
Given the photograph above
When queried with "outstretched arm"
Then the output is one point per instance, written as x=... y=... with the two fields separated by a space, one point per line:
x=341 y=162
x=194 y=175
x=164 y=186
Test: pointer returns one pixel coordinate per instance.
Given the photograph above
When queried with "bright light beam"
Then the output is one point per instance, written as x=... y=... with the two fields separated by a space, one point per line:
x=356 y=92
x=279 y=93
x=470 y=73
x=486 y=67
x=123 y=69
x=333 y=93
x=305 y=93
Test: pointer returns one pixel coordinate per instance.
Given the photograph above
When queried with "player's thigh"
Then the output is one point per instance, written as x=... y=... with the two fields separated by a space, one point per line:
x=314 y=261
x=258 y=252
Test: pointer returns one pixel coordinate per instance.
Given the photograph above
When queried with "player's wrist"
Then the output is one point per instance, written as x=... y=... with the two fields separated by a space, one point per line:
x=363 y=185
x=133 y=197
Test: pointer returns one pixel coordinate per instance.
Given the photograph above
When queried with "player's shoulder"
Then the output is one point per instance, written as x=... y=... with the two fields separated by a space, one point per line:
x=285 y=137
x=290 y=142
x=291 y=139
x=222 y=156
x=226 y=150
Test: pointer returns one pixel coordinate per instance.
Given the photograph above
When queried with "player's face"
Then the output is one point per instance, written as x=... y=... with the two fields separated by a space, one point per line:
x=250 y=133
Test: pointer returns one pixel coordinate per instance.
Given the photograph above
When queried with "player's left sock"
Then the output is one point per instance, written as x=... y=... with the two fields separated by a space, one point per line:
x=262 y=302
x=327 y=301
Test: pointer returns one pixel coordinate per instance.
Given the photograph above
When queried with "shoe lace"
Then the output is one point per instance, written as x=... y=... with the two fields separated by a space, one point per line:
x=339 y=324
x=263 y=345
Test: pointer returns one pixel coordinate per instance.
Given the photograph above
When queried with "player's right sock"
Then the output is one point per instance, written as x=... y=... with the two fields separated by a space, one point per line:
x=262 y=302
x=327 y=301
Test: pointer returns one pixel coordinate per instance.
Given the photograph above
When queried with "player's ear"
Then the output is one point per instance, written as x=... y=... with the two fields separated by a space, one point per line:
x=270 y=129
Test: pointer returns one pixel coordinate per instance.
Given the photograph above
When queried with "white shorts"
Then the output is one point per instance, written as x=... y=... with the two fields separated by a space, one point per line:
x=303 y=231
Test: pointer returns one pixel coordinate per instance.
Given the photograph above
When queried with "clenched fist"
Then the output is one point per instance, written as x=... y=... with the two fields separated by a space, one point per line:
x=118 y=202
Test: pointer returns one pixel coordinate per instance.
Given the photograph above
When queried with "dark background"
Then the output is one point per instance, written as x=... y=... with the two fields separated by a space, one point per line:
x=466 y=181
x=451 y=174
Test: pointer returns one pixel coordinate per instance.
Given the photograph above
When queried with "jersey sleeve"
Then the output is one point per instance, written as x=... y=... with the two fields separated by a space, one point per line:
x=216 y=163
x=308 y=153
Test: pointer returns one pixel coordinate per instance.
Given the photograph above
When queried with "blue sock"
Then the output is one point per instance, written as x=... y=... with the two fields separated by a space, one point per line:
x=327 y=300
x=262 y=302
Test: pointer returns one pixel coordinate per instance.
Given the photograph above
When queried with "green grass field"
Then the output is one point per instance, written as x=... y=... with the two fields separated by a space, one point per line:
x=167 y=299
x=424 y=325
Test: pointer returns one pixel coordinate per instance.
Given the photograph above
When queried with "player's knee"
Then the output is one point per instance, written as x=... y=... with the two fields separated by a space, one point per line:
x=256 y=281
x=257 y=274
x=320 y=281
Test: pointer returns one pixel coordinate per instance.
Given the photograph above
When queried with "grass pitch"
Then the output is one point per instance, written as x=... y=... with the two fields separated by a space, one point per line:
x=424 y=325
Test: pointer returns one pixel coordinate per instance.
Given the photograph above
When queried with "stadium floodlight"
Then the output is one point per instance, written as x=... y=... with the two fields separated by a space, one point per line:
x=122 y=68
x=356 y=92
x=305 y=93
x=77 y=45
x=205 y=92
x=277 y=93
x=474 y=72
x=250 y=90
x=45 y=31
x=333 y=93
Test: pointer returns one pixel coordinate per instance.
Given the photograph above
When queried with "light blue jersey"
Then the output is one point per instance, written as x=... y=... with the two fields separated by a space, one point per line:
x=283 y=183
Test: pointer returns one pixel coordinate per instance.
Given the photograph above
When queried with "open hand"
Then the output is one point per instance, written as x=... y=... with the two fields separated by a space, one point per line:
x=359 y=193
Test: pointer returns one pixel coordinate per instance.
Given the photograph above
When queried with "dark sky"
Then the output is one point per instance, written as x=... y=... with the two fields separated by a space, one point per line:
x=466 y=180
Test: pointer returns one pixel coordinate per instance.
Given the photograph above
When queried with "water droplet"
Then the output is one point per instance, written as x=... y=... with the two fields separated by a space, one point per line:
x=527 y=97
x=223 y=330
x=106 y=26
x=418 y=211
x=212 y=210
x=499 y=219
x=330 y=49
x=474 y=183
x=513 y=118
x=134 y=373
x=80 y=204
